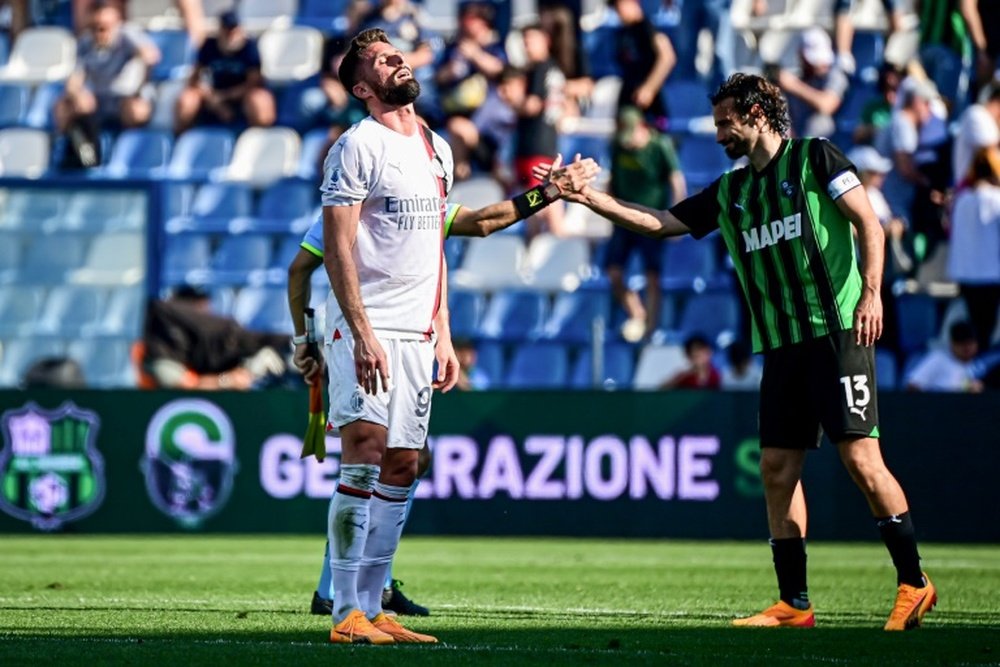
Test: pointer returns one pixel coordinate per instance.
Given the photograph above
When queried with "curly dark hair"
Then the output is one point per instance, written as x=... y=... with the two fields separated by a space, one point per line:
x=348 y=70
x=747 y=90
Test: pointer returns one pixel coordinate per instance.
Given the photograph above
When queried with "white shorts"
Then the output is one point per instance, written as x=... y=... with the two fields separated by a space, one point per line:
x=405 y=410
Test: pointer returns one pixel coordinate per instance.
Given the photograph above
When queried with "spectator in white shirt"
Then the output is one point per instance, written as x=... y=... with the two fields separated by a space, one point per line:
x=951 y=369
x=978 y=128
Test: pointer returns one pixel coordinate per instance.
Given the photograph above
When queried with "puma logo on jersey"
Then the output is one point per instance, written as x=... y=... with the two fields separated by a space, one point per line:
x=767 y=235
x=860 y=412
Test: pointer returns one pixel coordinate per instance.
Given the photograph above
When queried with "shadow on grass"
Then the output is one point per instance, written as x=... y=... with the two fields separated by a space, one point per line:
x=547 y=644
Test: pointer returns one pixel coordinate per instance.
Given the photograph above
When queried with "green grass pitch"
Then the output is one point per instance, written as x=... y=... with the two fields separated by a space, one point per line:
x=196 y=600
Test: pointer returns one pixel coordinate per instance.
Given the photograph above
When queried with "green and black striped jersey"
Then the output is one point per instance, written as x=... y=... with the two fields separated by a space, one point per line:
x=792 y=248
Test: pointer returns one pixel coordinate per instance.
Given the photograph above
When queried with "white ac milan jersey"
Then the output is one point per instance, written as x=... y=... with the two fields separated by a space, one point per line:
x=398 y=251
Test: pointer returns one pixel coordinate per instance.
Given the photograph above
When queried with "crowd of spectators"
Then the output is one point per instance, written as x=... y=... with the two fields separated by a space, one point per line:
x=924 y=135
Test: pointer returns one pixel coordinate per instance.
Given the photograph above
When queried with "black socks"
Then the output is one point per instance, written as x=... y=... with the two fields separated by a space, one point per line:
x=790 y=566
x=898 y=535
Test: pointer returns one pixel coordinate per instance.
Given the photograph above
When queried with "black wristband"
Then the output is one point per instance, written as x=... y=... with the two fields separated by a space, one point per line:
x=534 y=200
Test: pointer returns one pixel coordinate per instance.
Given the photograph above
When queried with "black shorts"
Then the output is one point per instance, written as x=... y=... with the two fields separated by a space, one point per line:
x=826 y=384
x=624 y=242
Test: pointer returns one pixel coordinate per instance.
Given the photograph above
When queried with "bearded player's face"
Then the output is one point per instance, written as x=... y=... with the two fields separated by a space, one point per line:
x=390 y=77
x=732 y=131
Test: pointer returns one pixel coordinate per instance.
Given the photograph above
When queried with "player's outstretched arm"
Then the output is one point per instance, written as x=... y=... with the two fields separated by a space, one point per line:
x=635 y=217
x=299 y=288
x=489 y=219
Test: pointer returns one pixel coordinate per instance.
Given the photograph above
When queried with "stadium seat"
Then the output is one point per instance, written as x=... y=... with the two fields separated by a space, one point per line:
x=19 y=354
x=14 y=100
x=311 y=158
x=490 y=359
x=288 y=248
x=50 y=258
x=868 y=49
x=477 y=192
x=657 y=364
x=283 y=202
x=28 y=209
x=176 y=199
x=214 y=209
x=496 y=262
x=106 y=363
x=557 y=264
x=263 y=155
x=600 y=47
x=96 y=211
x=573 y=315
x=68 y=309
x=686 y=99
x=263 y=309
x=454 y=250
x=223 y=299
x=11 y=251
x=185 y=253
x=917 y=322
x=702 y=161
x=113 y=259
x=4 y=48
x=688 y=263
x=712 y=314
x=123 y=314
x=539 y=366
x=259 y=15
x=139 y=154
x=199 y=151
x=19 y=307
x=466 y=309
x=291 y=54
x=514 y=315
x=176 y=55
x=587 y=145
x=165 y=106
x=885 y=369
x=604 y=97
x=43 y=101
x=24 y=152
x=619 y=364
x=41 y=55
x=849 y=114
x=329 y=16
x=239 y=256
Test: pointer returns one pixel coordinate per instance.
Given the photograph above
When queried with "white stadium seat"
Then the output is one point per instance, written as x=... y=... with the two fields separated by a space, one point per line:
x=290 y=55
x=41 y=55
x=558 y=264
x=492 y=263
x=657 y=364
x=24 y=152
x=113 y=259
x=263 y=155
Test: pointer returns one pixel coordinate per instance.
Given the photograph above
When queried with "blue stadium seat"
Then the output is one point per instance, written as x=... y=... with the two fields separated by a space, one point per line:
x=702 y=161
x=50 y=257
x=454 y=249
x=283 y=202
x=68 y=309
x=849 y=113
x=466 y=309
x=200 y=150
x=598 y=148
x=918 y=322
x=176 y=54
x=885 y=369
x=539 y=366
x=311 y=156
x=288 y=248
x=106 y=363
x=13 y=104
x=573 y=315
x=42 y=102
x=139 y=153
x=29 y=209
x=263 y=309
x=619 y=365
x=710 y=314
x=20 y=353
x=868 y=49
x=11 y=252
x=176 y=199
x=688 y=263
x=214 y=208
x=4 y=48
x=490 y=359
x=514 y=315
x=185 y=253
x=239 y=256
x=330 y=16
x=685 y=99
x=19 y=307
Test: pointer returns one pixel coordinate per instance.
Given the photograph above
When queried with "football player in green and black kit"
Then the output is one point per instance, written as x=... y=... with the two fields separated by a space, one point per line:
x=787 y=220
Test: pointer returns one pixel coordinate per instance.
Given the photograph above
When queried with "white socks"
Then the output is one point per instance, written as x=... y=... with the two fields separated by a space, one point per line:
x=388 y=515
x=347 y=530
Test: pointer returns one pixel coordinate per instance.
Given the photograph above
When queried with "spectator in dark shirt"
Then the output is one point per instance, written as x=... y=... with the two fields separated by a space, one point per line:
x=226 y=85
x=645 y=57
x=538 y=107
x=701 y=374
